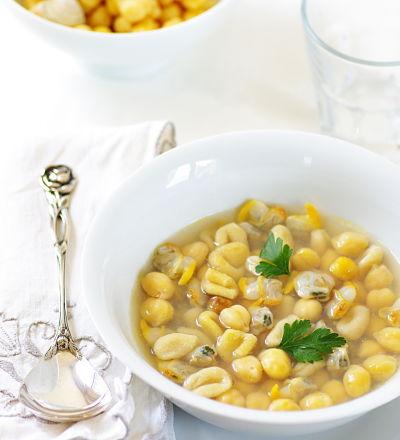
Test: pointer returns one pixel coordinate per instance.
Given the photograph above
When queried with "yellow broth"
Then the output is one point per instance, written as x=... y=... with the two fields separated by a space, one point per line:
x=315 y=385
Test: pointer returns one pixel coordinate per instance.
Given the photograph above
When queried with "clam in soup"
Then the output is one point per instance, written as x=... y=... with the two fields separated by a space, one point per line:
x=270 y=309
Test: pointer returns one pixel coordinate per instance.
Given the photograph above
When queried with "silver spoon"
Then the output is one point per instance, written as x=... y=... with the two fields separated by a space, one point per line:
x=63 y=387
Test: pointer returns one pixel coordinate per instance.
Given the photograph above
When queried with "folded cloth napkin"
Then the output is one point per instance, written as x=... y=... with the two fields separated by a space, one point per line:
x=100 y=159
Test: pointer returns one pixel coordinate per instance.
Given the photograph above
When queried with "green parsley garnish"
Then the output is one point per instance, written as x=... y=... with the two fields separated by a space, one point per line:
x=275 y=256
x=304 y=346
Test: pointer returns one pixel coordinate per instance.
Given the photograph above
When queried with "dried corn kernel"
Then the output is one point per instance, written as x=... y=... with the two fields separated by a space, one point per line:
x=135 y=10
x=369 y=348
x=319 y=378
x=248 y=369
x=327 y=259
x=89 y=5
x=274 y=337
x=253 y=211
x=217 y=304
x=319 y=241
x=316 y=400
x=99 y=17
x=112 y=7
x=335 y=389
x=29 y=4
x=151 y=334
x=121 y=24
x=232 y=397
x=276 y=363
x=257 y=400
x=197 y=250
x=380 y=366
x=356 y=381
x=148 y=24
x=274 y=392
x=344 y=269
x=297 y=388
x=378 y=277
x=103 y=29
x=156 y=311
x=66 y=12
x=158 y=285
x=342 y=301
x=188 y=269
x=83 y=27
x=171 y=11
x=350 y=244
x=284 y=405
x=305 y=259
x=389 y=338
x=188 y=14
x=380 y=298
x=373 y=256
x=306 y=370
x=175 y=370
x=391 y=314
x=197 y=4
x=282 y=232
x=305 y=222
x=308 y=309
x=168 y=259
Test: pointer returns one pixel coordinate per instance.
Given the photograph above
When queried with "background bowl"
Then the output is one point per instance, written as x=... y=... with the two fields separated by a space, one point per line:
x=125 y=54
x=212 y=175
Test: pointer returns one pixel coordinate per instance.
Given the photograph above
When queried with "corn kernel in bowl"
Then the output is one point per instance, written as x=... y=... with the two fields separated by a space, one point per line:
x=118 y=16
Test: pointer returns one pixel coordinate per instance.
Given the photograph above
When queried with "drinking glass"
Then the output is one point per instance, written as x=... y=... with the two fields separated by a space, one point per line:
x=354 y=48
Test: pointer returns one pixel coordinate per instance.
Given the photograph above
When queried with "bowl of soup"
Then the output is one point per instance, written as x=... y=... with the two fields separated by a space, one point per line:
x=253 y=279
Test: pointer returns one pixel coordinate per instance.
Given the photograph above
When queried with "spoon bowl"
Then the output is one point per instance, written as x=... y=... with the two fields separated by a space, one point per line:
x=65 y=389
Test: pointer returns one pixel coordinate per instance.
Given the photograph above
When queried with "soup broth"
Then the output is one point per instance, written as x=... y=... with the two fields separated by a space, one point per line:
x=212 y=318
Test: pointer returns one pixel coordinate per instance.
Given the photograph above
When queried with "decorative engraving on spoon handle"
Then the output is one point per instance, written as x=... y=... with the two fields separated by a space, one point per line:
x=59 y=183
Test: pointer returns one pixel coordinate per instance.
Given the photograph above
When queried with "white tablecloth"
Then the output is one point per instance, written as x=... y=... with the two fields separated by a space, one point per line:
x=256 y=76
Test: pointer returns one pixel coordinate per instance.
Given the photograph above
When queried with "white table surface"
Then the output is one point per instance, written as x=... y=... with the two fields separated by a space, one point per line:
x=253 y=75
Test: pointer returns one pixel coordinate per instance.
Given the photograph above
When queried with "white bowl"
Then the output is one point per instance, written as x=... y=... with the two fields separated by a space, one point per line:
x=126 y=54
x=212 y=175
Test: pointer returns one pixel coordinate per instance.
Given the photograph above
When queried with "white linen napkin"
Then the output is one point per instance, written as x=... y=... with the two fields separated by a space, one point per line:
x=100 y=159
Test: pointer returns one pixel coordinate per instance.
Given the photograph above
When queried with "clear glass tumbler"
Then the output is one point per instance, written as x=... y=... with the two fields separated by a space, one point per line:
x=354 y=47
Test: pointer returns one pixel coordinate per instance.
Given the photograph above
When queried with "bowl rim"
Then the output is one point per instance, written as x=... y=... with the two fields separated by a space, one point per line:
x=147 y=373
x=68 y=30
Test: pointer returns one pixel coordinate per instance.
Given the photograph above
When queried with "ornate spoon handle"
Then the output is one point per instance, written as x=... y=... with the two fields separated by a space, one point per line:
x=59 y=184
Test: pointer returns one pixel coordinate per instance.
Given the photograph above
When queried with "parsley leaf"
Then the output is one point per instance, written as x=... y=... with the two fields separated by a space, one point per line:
x=308 y=347
x=275 y=256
